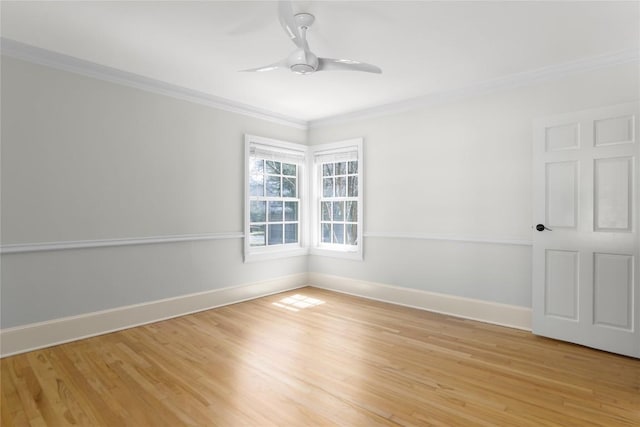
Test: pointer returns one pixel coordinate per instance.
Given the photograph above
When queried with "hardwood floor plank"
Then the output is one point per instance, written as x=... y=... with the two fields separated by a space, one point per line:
x=347 y=361
x=55 y=389
x=90 y=393
x=12 y=412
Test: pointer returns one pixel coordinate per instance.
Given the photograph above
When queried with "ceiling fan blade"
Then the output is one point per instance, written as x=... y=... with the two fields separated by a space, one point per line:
x=270 y=67
x=329 y=64
x=288 y=22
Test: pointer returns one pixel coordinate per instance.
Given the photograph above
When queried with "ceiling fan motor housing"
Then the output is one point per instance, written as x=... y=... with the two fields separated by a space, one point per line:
x=302 y=68
x=304 y=19
x=302 y=62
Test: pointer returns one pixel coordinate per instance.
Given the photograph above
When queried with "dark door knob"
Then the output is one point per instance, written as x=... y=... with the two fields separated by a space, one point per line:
x=541 y=227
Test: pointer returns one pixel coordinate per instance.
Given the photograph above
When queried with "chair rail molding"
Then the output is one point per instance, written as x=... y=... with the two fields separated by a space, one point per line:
x=15 y=248
x=101 y=243
x=445 y=237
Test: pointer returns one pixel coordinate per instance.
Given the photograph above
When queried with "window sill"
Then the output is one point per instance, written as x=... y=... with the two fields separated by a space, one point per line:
x=337 y=253
x=275 y=254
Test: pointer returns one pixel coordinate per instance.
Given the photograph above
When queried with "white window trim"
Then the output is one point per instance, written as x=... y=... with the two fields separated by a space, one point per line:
x=253 y=253
x=316 y=247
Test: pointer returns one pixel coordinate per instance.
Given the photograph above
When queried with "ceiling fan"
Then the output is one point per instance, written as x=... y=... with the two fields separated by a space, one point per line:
x=302 y=60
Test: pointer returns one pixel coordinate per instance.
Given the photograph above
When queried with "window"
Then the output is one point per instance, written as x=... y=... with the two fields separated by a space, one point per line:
x=274 y=204
x=274 y=201
x=337 y=199
x=339 y=203
x=281 y=219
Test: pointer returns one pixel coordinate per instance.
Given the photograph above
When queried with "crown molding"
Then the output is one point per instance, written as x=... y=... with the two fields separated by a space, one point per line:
x=36 y=55
x=485 y=87
x=25 y=52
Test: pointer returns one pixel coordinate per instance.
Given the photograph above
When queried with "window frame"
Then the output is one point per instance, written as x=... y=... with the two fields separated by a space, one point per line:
x=325 y=249
x=259 y=253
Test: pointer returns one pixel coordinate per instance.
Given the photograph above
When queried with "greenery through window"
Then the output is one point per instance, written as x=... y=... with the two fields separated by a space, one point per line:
x=274 y=217
x=303 y=199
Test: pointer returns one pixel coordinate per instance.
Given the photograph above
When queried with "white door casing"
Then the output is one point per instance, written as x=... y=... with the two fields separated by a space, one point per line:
x=585 y=268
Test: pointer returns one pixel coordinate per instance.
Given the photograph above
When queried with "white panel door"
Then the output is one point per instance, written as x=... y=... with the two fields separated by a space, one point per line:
x=586 y=258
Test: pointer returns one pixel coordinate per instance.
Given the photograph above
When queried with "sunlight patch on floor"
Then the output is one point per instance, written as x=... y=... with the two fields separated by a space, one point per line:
x=297 y=302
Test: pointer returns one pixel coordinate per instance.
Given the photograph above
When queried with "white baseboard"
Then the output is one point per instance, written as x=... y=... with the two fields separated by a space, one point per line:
x=483 y=311
x=58 y=331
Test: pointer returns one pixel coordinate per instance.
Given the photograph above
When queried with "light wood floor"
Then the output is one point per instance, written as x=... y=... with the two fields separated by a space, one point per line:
x=347 y=361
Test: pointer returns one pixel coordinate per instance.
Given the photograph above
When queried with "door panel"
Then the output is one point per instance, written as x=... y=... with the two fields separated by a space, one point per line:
x=561 y=283
x=562 y=194
x=584 y=279
x=613 y=290
x=613 y=194
x=564 y=137
x=617 y=130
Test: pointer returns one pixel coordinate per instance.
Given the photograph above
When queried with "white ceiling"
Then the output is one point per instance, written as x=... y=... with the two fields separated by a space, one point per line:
x=422 y=47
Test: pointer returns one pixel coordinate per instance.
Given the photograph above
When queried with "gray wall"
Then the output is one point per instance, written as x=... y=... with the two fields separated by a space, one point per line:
x=85 y=159
x=461 y=170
